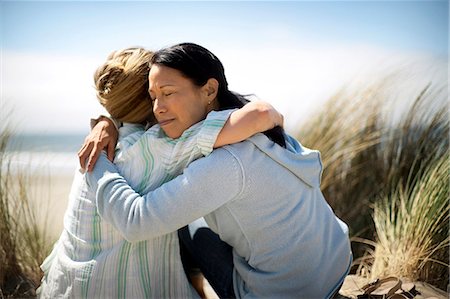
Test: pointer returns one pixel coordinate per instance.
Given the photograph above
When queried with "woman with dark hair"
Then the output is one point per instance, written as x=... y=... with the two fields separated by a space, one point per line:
x=271 y=232
x=190 y=60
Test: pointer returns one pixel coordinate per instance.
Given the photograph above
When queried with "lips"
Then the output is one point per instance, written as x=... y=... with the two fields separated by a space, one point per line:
x=165 y=122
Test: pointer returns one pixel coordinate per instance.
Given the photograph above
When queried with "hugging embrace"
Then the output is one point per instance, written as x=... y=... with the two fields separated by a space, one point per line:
x=195 y=181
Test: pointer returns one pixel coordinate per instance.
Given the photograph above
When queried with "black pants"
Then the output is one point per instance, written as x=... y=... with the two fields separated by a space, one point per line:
x=214 y=258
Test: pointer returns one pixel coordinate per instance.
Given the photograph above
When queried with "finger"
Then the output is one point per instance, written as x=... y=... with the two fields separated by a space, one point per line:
x=83 y=154
x=93 y=158
x=86 y=142
x=80 y=155
x=110 y=151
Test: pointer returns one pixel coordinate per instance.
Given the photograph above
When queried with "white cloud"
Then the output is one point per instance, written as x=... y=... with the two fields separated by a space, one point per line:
x=49 y=93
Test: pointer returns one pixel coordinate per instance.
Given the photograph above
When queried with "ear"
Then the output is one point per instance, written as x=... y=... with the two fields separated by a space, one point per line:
x=211 y=89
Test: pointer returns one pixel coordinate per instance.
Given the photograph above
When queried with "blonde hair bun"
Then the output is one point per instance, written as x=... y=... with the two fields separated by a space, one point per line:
x=122 y=85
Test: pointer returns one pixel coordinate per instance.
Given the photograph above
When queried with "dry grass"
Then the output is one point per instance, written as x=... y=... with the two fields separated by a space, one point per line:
x=412 y=226
x=375 y=161
x=23 y=243
x=345 y=131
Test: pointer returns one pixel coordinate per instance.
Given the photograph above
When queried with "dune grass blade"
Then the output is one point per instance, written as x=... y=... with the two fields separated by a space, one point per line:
x=412 y=226
x=370 y=149
x=23 y=243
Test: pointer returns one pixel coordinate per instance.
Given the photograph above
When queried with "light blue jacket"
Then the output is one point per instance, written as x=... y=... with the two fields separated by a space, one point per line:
x=263 y=200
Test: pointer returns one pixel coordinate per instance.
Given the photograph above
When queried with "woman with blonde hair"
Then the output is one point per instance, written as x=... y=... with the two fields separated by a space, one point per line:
x=92 y=259
x=122 y=86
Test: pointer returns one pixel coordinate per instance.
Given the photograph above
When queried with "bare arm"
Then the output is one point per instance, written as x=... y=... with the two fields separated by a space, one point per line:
x=255 y=117
x=104 y=135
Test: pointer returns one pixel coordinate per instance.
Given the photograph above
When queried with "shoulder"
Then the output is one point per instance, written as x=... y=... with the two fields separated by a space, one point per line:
x=237 y=151
x=136 y=143
x=224 y=162
x=246 y=149
x=221 y=172
x=233 y=157
x=243 y=153
x=224 y=155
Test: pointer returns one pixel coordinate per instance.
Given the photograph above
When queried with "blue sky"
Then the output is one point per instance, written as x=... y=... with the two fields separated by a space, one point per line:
x=95 y=26
x=52 y=48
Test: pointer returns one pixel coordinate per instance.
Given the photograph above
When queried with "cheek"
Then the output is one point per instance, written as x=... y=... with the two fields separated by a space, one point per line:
x=194 y=108
x=197 y=114
x=198 y=110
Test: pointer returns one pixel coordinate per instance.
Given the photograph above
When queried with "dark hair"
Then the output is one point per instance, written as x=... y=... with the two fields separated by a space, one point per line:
x=199 y=64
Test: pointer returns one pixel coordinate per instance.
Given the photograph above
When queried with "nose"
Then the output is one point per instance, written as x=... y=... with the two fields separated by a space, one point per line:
x=158 y=106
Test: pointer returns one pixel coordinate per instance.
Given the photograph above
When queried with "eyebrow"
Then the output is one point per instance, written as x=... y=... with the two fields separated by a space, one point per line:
x=163 y=86
x=166 y=85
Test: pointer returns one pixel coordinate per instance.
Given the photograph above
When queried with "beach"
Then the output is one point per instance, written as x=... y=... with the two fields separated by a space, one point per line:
x=50 y=194
x=46 y=174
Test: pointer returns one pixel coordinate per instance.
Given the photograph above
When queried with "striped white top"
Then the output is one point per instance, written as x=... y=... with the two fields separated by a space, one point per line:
x=91 y=259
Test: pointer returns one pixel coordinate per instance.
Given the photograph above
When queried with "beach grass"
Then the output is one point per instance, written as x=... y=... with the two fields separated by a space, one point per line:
x=412 y=227
x=24 y=243
x=386 y=175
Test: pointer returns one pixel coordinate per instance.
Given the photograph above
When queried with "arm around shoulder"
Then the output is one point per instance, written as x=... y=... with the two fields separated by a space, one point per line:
x=205 y=185
x=254 y=117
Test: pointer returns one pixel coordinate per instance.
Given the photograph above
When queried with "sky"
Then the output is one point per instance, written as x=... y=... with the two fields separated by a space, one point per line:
x=293 y=54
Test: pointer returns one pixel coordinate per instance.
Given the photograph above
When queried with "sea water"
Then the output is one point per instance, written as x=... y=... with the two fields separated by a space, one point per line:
x=46 y=164
x=50 y=154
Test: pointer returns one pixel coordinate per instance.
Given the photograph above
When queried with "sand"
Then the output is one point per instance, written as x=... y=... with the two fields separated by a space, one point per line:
x=48 y=195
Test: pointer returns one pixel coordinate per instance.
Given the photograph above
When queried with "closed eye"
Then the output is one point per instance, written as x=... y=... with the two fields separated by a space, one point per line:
x=152 y=96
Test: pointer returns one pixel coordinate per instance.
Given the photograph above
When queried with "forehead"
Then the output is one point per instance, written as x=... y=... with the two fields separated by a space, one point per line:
x=160 y=76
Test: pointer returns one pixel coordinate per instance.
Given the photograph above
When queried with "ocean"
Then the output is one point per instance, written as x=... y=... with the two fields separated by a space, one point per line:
x=50 y=154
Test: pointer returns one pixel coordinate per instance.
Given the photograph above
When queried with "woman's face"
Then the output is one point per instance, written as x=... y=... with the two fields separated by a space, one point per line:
x=177 y=102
